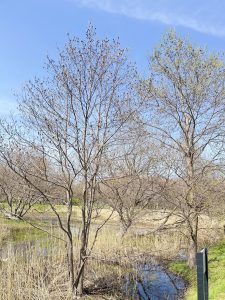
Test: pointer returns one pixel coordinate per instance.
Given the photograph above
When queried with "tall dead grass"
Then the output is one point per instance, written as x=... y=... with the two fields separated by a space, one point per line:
x=39 y=272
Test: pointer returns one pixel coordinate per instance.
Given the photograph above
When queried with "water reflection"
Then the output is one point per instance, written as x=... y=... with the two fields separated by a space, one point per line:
x=23 y=249
x=153 y=282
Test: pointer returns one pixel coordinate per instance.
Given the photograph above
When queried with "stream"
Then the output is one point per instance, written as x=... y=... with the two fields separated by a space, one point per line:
x=153 y=282
x=148 y=281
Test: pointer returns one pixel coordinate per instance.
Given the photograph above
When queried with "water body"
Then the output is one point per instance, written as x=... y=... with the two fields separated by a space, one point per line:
x=22 y=249
x=154 y=282
x=147 y=281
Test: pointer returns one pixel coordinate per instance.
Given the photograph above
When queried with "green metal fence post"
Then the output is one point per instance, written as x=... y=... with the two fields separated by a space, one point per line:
x=202 y=274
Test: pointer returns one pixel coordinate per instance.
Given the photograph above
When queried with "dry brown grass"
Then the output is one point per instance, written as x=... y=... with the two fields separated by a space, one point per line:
x=35 y=276
x=41 y=277
x=4 y=233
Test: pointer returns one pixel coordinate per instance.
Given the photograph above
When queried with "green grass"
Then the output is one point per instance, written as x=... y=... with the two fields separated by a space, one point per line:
x=18 y=230
x=22 y=234
x=216 y=274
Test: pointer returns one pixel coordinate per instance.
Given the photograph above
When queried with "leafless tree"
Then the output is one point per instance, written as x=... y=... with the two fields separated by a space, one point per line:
x=131 y=185
x=185 y=101
x=16 y=196
x=71 y=119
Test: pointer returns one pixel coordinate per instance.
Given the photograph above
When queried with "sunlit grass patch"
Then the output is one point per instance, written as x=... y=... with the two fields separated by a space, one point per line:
x=216 y=273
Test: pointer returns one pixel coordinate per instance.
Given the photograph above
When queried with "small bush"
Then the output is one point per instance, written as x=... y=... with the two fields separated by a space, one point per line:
x=76 y=202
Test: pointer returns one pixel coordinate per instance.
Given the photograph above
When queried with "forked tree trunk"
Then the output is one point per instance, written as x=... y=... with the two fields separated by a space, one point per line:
x=78 y=286
x=10 y=216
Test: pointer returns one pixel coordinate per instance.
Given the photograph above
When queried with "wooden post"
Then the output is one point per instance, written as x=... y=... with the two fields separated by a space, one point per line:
x=202 y=274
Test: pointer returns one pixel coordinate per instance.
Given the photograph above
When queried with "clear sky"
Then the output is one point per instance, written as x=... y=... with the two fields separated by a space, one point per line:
x=32 y=29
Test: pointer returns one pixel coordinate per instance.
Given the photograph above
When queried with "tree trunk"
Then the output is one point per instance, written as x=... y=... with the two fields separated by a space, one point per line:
x=11 y=216
x=78 y=286
x=193 y=215
x=79 y=280
x=70 y=263
x=192 y=250
x=193 y=243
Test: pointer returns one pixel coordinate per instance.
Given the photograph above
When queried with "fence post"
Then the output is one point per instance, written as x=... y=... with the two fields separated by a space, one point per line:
x=202 y=274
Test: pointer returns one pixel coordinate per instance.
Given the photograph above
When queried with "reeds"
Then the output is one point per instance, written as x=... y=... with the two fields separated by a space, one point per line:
x=37 y=269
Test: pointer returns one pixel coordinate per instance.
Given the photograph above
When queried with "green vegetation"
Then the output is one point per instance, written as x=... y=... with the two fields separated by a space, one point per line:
x=18 y=231
x=216 y=273
x=76 y=201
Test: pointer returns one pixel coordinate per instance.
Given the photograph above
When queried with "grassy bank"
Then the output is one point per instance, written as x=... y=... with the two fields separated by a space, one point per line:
x=18 y=231
x=216 y=273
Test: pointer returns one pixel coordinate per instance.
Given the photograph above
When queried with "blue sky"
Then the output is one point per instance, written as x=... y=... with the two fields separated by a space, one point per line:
x=31 y=29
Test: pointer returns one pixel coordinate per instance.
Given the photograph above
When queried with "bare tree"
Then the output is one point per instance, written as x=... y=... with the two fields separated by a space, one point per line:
x=185 y=100
x=16 y=196
x=131 y=185
x=71 y=119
